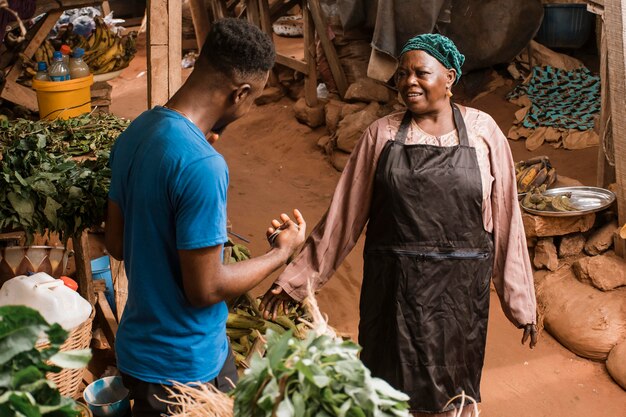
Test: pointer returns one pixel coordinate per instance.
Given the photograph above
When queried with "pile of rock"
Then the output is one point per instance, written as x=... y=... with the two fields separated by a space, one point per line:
x=581 y=285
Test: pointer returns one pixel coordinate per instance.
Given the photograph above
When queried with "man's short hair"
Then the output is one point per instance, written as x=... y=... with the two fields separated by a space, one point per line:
x=236 y=47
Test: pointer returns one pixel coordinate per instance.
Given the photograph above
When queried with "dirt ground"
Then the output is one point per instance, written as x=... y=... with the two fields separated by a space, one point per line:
x=275 y=166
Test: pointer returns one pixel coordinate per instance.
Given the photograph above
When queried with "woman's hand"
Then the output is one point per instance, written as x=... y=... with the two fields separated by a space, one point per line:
x=530 y=330
x=274 y=301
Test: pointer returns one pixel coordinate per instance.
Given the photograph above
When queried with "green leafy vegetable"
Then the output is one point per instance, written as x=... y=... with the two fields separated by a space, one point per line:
x=24 y=391
x=42 y=188
x=315 y=377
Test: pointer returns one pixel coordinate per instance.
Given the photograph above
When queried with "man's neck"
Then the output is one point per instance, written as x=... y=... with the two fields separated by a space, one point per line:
x=203 y=109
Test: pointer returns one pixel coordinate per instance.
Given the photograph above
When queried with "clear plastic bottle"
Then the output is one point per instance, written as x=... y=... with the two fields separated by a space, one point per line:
x=78 y=67
x=67 y=52
x=58 y=70
x=42 y=72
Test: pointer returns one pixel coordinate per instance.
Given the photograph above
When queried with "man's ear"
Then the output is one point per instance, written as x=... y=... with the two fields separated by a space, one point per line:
x=241 y=93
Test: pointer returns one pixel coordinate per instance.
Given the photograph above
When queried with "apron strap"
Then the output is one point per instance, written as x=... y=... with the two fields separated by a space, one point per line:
x=460 y=125
x=404 y=128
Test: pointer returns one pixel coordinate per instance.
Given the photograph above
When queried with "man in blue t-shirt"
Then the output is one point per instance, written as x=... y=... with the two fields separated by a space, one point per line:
x=166 y=219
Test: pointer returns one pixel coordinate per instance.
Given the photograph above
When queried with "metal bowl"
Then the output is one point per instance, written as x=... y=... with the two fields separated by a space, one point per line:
x=586 y=199
x=107 y=397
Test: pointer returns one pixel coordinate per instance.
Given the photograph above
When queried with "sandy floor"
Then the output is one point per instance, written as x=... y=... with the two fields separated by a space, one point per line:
x=275 y=166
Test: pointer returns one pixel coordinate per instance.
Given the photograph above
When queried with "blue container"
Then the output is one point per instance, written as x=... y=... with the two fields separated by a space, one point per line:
x=565 y=26
x=107 y=397
x=101 y=269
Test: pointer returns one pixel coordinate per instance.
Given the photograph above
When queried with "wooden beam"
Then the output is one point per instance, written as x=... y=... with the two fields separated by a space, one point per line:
x=266 y=26
x=605 y=173
x=280 y=8
x=18 y=94
x=175 y=47
x=310 y=80
x=252 y=12
x=42 y=33
x=329 y=49
x=200 y=17
x=614 y=19
x=109 y=323
x=294 y=64
x=83 y=266
x=120 y=285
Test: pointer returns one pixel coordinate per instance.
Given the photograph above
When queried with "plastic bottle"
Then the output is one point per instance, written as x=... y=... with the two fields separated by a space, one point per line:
x=78 y=67
x=42 y=72
x=66 y=51
x=58 y=70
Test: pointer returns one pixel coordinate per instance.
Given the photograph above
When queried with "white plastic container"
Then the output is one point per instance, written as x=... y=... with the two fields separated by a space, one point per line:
x=56 y=302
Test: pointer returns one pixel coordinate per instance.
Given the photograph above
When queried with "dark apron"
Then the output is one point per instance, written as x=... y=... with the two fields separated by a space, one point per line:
x=428 y=263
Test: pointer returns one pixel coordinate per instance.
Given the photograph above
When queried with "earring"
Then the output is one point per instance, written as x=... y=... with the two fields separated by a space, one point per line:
x=449 y=93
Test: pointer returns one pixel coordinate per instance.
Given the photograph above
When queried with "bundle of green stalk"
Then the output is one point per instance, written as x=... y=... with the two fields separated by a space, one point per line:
x=42 y=188
x=246 y=324
x=318 y=376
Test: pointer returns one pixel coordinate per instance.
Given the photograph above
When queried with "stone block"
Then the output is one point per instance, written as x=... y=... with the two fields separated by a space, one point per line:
x=543 y=226
x=545 y=255
x=571 y=245
x=605 y=272
x=367 y=89
x=601 y=240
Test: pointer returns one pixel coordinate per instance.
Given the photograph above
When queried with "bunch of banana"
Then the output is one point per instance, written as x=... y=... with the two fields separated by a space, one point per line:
x=534 y=173
x=245 y=324
x=105 y=51
x=44 y=52
x=535 y=199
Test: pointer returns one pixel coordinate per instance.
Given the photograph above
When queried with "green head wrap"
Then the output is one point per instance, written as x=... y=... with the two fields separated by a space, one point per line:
x=439 y=47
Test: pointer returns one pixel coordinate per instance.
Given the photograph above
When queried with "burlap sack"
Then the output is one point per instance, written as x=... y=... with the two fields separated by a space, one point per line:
x=587 y=321
x=616 y=363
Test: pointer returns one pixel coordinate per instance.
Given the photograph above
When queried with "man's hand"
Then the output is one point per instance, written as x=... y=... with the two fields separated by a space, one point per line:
x=275 y=301
x=530 y=330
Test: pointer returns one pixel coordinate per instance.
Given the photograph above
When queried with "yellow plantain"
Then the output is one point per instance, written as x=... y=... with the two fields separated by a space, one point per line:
x=540 y=178
x=525 y=181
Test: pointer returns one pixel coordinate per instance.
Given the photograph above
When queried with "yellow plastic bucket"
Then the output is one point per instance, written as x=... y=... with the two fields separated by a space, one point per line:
x=63 y=99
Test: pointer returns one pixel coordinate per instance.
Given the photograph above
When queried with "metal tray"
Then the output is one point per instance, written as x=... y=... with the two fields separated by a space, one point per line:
x=587 y=199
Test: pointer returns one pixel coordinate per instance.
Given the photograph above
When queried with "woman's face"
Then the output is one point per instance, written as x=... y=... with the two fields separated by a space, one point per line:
x=423 y=81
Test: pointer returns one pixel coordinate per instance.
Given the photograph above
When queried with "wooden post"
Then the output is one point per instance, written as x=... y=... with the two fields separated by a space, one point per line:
x=615 y=18
x=83 y=266
x=120 y=285
x=329 y=49
x=164 y=50
x=310 y=79
x=200 y=17
x=605 y=173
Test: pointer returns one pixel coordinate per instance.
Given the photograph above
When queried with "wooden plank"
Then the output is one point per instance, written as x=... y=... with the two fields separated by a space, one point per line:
x=175 y=28
x=329 y=49
x=18 y=94
x=294 y=64
x=106 y=8
x=606 y=173
x=42 y=33
x=157 y=32
x=120 y=285
x=200 y=17
x=280 y=8
x=109 y=323
x=83 y=266
x=310 y=80
x=614 y=19
x=252 y=12
x=158 y=84
x=266 y=26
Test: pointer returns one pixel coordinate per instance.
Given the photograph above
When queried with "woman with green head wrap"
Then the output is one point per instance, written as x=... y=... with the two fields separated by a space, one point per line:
x=435 y=185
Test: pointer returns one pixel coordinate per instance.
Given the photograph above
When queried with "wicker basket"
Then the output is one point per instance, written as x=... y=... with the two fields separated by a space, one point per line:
x=68 y=380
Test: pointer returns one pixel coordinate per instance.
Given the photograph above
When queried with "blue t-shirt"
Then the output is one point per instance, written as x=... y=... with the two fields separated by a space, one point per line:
x=171 y=186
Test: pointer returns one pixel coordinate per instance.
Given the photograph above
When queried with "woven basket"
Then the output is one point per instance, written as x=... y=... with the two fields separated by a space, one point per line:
x=68 y=380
